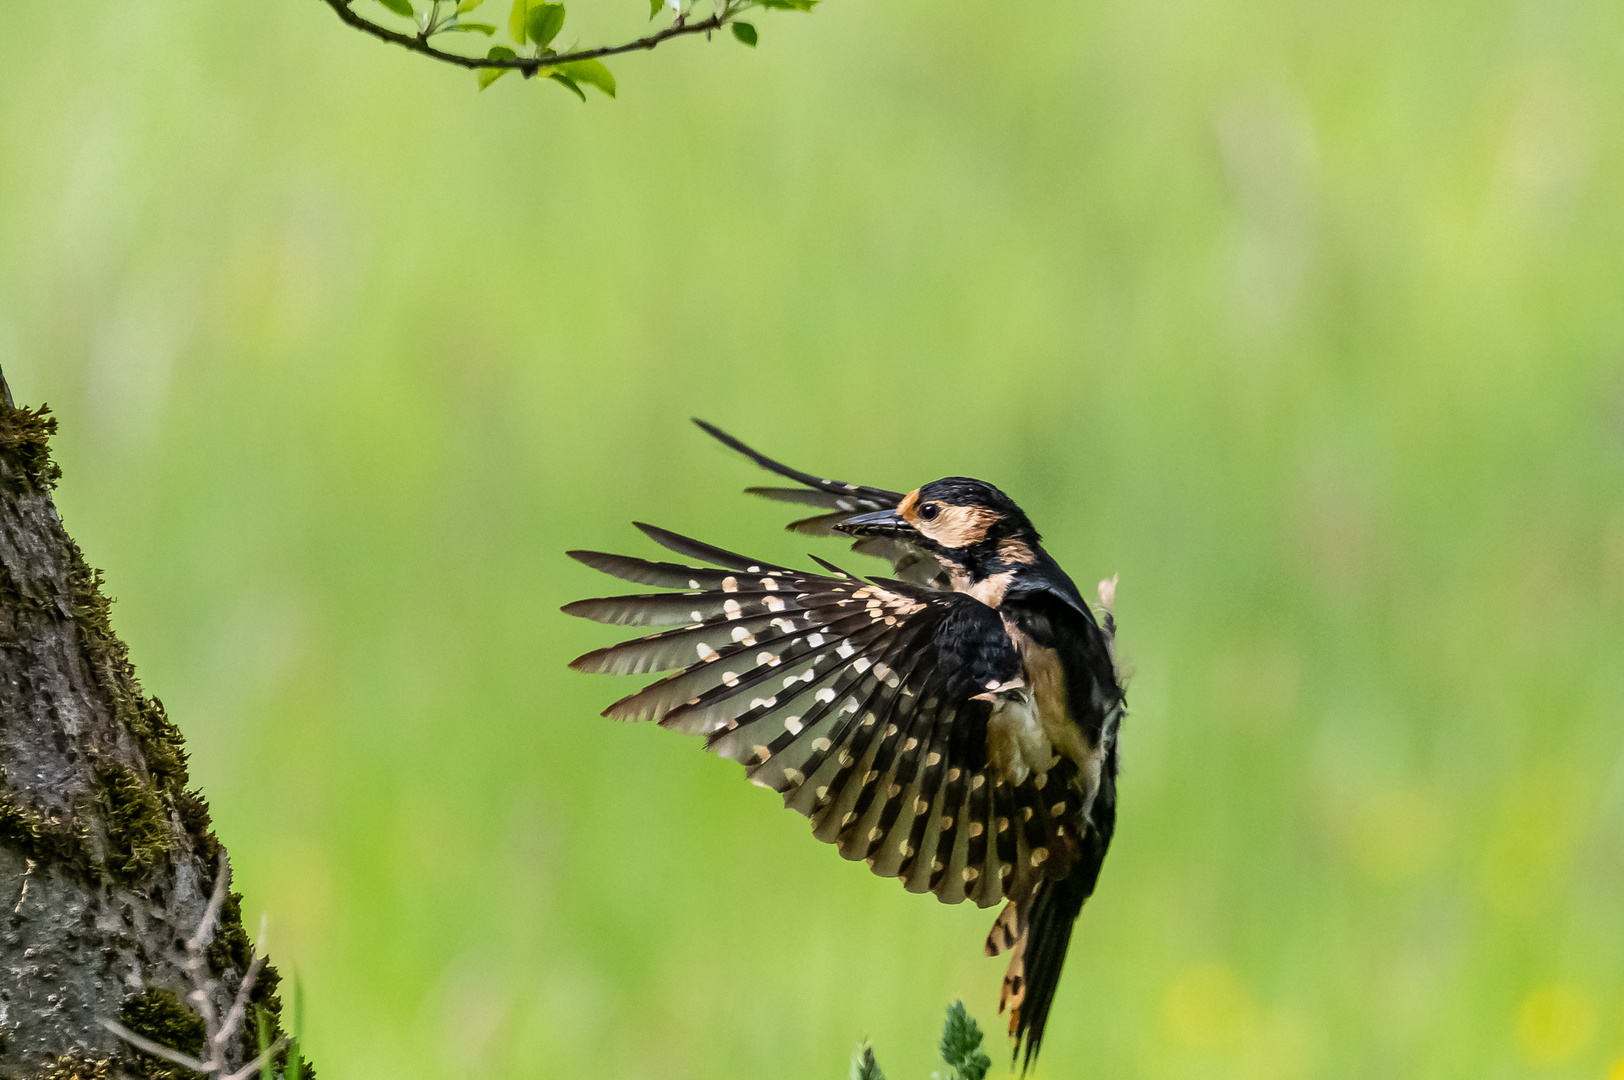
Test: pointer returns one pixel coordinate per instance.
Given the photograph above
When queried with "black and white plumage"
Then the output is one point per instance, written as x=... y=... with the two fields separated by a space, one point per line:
x=954 y=726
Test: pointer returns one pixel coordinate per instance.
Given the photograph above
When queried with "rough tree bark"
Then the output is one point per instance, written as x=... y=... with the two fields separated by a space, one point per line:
x=107 y=861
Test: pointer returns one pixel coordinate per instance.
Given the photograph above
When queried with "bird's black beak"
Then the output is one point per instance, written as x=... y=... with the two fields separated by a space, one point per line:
x=879 y=523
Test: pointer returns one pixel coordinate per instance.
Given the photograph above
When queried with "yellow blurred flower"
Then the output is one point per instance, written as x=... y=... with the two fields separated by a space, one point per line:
x=1554 y=1023
x=1538 y=827
x=1617 y=1071
x=1208 y=1006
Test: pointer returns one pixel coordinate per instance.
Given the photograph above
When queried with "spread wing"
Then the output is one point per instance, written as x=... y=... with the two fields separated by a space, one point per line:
x=838 y=501
x=857 y=701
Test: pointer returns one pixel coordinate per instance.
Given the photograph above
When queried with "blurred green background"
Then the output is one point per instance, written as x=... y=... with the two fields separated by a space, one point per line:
x=1307 y=319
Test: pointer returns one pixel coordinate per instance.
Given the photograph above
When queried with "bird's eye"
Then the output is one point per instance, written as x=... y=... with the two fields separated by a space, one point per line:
x=929 y=511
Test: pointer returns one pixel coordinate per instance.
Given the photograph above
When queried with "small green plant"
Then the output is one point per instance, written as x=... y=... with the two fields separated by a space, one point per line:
x=960 y=1049
x=961 y=1045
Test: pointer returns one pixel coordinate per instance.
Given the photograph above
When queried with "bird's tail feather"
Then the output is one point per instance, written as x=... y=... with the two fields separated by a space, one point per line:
x=1037 y=931
x=1041 y=934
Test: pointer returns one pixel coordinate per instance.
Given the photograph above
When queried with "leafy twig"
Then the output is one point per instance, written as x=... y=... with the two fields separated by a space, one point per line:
x=534 y=24
x=419 y=42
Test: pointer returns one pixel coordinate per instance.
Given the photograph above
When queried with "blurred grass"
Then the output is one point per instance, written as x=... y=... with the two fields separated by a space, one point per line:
x=1303 y=318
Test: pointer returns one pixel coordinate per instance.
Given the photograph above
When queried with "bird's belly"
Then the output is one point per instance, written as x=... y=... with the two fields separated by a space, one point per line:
x=1048 y=685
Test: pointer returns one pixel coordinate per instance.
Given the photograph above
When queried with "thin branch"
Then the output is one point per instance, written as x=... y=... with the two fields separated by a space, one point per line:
x=217 y=900
x=239 y=1008
x=219 y=1031
x=419 y=43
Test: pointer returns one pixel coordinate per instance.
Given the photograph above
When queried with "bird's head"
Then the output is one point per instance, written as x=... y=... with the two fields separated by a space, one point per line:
x=969 y=525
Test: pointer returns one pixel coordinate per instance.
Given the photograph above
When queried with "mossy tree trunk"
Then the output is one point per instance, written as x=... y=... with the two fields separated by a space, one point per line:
x=107 y=862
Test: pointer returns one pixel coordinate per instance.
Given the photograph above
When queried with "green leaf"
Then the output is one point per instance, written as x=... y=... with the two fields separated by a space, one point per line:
x=263 y=1022
x=567 y=83
x=472 y=28
x=544 y=22
x=468 y=5
x=654 y=7
x=745 y=33
x=789 y=5
x=295 y=1063
x=516 y=20
x=400 y=7
x=961 y=1045
x=591 y=72
x=490 y=75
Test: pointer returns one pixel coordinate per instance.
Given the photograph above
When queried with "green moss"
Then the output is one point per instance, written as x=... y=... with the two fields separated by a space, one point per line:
x=25 y=458
x=138 y=832
x=195 y=819
x=158 y=1015
x=25 y=436
x=144 y=717
x=69 y=1067
x=231 y=950
x=136 y=822
x=46 y=840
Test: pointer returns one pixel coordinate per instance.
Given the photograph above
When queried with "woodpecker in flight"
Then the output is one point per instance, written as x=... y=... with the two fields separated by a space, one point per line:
x=955 y=726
